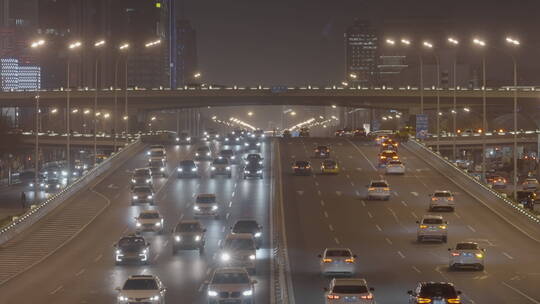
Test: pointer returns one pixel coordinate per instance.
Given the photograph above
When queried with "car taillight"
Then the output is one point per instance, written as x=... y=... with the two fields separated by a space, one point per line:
x=423 y=226
x=434 y=198
x=395 y=157
x=295 y=167
x=451 y=198
x=371 y=189
x=383 y=157
x=454 y=301
x=455 y=254
x=351 y=260
x=442 y=226
x=316 y=150
x=367 y=297
x=332 y=297
x=327 y=260
x=423 y=300
x=386 y=189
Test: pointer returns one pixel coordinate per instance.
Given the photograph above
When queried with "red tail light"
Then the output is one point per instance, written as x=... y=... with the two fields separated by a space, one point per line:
x=367 y=297
x=332 y=297
x=455 y=254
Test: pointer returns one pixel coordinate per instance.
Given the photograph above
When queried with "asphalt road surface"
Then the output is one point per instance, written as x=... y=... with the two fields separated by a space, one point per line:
x=331 y=211
x=83 y=271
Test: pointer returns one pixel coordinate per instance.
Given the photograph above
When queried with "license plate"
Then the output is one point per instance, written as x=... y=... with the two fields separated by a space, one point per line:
x=350 y=299
x=439 y=302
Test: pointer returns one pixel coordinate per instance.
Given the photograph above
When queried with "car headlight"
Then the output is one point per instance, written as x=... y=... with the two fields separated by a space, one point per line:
x=177 y=238
x=258 y=144
x=161 y=169
x=133 y=180
x=149 y=197
x=246 y=171
x=138 y=224
x=158 y=224
x=148 y=180
x=228 y=168
x=237 y=139
x=196 y=154
x=64 y=173
x=41 y=185
x=247 y=293
x=257 y=234
x=212 y=293
x=233 y=157
x=148 y=153
x=188 y=139
x=196 y=208
x=197 y=238
x=145 y=251
x=208 y=154
x=177 y=139
x=46 y=186
x=122 y=298
x=226 y=139
x=213 y=168
x=57 y=186
x=193 y=169
x=31 y=184
x=135 y=197
x=252 y=257
x=259 y=171
x=479 y=255
x=260 y=162
x=214 y=207
x=180 y=169
x=154 y=298
x=246 y=144
x=118 y=251
x=225 y=257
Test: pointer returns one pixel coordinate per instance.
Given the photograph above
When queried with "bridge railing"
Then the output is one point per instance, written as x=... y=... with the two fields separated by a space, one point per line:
x=37 y=212
x=509 y=211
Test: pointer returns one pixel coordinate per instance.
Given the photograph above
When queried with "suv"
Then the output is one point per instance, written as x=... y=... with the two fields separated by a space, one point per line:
x=149 y=220
x=157 y=154
x=230 y=285
x=434 y=293
x=349 y=291
x=432 y=227
x=530 y=183
x=248 y=226
x=228 y=154
x=132 y=248
x=187 y=168
x=203 y=153
x=254 y=158
x=527 y=198
x=239 y=250
x=189 y=234
x=302 y=167
x=206 y=204
x=442 y=200
x=378 y=189
x=386 y=156
x=142 y=194
x=467 y=254
x=253 y=170
x=220 y=166
x=184 y=139
x=338 y=261
x=395 y=167
x=141 y=176
x=322 y=151
x=142 y=289
x=252 y=144
x=158 y=167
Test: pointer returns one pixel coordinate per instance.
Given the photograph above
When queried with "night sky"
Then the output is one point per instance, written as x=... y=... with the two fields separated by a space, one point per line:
x=252 y=42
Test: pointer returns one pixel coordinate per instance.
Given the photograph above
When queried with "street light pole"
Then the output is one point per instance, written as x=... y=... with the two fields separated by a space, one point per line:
x=482 y=44
x=36 y=45
x=438 y=114
x=115 y=103
x=72 y=46
x=98 y=44
x=454 y=42
x=515 y=43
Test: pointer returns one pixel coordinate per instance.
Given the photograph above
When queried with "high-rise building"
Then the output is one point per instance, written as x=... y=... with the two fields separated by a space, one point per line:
x=186 y=54
x=361 y=51
x=15 y=76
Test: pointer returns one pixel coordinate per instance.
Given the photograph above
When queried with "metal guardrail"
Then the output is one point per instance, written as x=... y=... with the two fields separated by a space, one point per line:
x=37 y=212
x=281 y=282
x=505 y=208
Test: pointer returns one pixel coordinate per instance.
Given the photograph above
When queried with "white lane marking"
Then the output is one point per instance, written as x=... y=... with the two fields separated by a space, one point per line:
x=235 y=184
x=319 y=192
x=219 y=243
x=230 y=204
x=521 y=293
x=98 y=258
x=338 y=193
x=80 y=272
x=326 y=214
x=156 y=257
x=336 y=240
x=363 y=203
x=117 y=195
x=369 y=214
x=350 y=156
x=348 y=176
x=198 y=185
x=414 y=193
x=227 y=216
x=508 y=256
x=300 y=192
x=330 y=227
x=352 y=183
x=166 y=243
x=388 y=241
x=232 y=195
x=359 y=169
x=322 y=203
x=414 y=215
x=362 y=153
x=201 y=287
x=57 y=289
x=416 y=269
x=404 y=204
x=378 y=227
x=194 y=194
x=457 y=215
x=401 y=254
x=395 y=193
x=357 y=193
x=208 y=271
x=471 y=228
x=316 y=183
x=181 y=216
x=223 y=229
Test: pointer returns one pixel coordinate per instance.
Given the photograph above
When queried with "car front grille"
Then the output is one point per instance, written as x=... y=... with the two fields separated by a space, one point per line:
x=227 y=294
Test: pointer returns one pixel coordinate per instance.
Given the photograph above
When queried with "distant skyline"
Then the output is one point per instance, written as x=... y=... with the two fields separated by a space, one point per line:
x=286 y=42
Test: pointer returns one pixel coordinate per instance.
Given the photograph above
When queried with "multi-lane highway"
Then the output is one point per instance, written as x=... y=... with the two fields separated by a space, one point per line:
x=84 y=271
x=331 y=211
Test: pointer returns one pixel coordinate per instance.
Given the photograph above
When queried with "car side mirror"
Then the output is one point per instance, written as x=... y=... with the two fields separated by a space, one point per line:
x=371 y=289
x=458 y=292
x=355 y=256
x=417 y=222
x=320 y=256
x=449 y=249
x=254 y=282
x=325 y=288
x=257 y=247
x=118 y=289
x=410 y=292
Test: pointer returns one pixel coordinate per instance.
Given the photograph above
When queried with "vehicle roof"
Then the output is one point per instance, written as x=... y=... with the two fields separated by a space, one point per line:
x=378 y=181
x=230 y=270
x=142 y=187
x=442 y=191
x=432 y=216
x=349 y=281
x=240 y=236
x=206 y=195
x=190 y=222
x=436 y=283
x=141 y=276
x=337 y=249
x=149 y=211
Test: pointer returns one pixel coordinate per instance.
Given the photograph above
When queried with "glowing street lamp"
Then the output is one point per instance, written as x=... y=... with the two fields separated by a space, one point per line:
x=482 y=44
x=514 y=43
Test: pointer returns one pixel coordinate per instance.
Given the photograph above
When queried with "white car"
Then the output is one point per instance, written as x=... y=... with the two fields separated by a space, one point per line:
x=467 y=254
x=206 y=205
x=432 y=227
x=442 y=199
x=395 y=167
x=338 y=261
x=142 y=289
x=349 y=291
x=378 y=189
x=149 y=220
x=239 y=250
x=159 y=154
x=530 y=184
x=221 y=166
x=231 y=285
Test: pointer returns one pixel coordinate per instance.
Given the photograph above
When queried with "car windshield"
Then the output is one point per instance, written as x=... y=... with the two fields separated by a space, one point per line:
x=466 y=246
x=142 y=190
x=338 y=253
x=253 y=167
x=322 y=148
x=432 y=221
x=245 y=226
x=438 y=290
x=239 y=244
x=206 y=199
x=395 y=162
x=141 y=173
x=131 y=241
x=329 y=163
x=156 y=164
x=187 y=163
x=230 y=278
x=140 y=284
x=149 y=215
x=442 y=194
x=379 y=185
x=157 y=153
x=221 y=161
x=188 y=227
x=203 y=149
x=253 y=156
x=302 y=163
x=389 y=154
x=354 y=289
x=226 y=153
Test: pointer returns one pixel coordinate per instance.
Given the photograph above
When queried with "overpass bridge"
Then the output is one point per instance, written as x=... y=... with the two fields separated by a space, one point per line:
x=476 y=140
x=189 y=97
x=82 y=140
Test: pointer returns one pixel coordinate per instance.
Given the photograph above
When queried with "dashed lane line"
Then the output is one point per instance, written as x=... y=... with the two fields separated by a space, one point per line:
x=378 y=227
x=330 y=227
x=416 y=269
x=322 y=203
x=336 y=240
x=414 y=215
x=401 y=254
x=98 y=258
x=57 y=289
x=370 y=215
x=326 y=214
x=363 y=203
x=508 y=256
x=471 y=228
x=80 y=272
x=414 y=193
x=404 y=203
x=521 y=293
x=363 y=155
x=388 y=241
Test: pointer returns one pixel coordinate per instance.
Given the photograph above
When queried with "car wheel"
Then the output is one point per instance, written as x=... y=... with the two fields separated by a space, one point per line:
x=480 y=267
x=419 y=239
x=261 y=177
x=245 y=177
x=445 y=239
x=230 y=175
